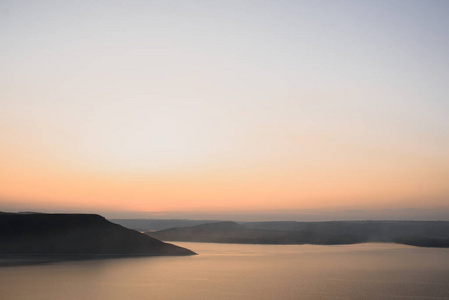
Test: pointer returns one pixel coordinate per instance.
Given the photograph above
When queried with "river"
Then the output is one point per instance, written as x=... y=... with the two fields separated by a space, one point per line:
x=235 y=271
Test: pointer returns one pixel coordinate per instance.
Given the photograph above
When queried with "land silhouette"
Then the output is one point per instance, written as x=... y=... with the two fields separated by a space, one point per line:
x=415 y=233
x=49 y=237
x=159 y=224
x=66 y=236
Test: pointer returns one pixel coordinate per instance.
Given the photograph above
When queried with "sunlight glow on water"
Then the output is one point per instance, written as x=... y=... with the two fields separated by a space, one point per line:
x=232 y=271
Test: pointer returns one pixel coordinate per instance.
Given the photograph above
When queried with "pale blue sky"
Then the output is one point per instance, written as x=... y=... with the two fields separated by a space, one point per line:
x=163 y=86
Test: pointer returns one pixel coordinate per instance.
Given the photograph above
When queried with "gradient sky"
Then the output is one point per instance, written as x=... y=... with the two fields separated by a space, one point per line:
x=233 y=107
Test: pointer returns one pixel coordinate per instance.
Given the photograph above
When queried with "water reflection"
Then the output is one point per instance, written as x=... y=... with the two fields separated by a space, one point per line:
x=231 y=271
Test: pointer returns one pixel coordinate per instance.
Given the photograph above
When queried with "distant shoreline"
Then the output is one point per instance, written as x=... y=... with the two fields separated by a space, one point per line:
x=412 y=233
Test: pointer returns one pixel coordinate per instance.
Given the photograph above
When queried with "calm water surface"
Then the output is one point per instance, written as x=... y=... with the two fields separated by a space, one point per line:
x=231 y=271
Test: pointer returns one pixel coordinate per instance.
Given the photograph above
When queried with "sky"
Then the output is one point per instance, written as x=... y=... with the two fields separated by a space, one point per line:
x=226 y=109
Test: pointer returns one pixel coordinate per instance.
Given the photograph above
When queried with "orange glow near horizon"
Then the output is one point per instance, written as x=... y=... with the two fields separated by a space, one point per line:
x=230 y=106
x=262 y=186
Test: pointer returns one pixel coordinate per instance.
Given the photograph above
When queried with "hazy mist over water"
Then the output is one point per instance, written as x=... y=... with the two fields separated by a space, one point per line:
x=231 y=271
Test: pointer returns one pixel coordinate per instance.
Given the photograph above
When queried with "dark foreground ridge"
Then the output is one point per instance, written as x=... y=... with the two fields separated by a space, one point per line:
x=415 y=233
x=75 y=235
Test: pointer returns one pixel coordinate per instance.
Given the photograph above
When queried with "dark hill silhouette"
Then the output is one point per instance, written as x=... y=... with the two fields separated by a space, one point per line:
x=417 y=233
x=75 y=234
x=158 y=224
